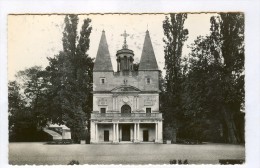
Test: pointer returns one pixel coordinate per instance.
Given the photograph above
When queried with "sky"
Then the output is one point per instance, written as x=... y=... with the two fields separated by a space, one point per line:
x=33 y=38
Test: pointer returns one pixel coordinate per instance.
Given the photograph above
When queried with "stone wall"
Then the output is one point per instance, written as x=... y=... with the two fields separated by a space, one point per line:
x=151 y=132
x=112 y=81
x=102 y=128
x=137 y=102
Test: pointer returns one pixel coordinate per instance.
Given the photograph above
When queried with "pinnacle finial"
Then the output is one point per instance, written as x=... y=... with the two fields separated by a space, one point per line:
x=125 y=35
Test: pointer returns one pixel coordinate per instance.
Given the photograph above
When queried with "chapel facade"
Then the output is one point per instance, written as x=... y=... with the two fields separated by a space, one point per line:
x=126 y=102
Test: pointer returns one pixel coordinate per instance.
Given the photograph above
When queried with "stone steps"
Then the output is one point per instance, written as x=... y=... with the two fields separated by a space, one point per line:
x=55 y=135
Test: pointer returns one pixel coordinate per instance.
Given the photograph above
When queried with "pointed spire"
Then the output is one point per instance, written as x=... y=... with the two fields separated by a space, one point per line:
x=148 y=60
x=103 y=60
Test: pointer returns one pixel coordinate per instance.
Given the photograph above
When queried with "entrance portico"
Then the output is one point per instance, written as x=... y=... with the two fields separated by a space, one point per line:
x=117 y=132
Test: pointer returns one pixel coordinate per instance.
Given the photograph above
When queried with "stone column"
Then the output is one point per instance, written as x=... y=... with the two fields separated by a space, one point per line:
x=156 y=132
x=137 y=103
x=121 y=65
x=138 y=127
x=134 y=132
x=134 y=108
x=113 y=103
x=128 y=63
x=96 y=128
x=119 y=134
x=116 y=103
x=160 y=132
x=114 y=134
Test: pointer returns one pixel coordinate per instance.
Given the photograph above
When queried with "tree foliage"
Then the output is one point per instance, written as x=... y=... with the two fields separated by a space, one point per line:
x=71 y=79
x=175 y=36
x=27 y=105
x=61 y=93
x=35 y=89
x=211 y=87
x=16 y=106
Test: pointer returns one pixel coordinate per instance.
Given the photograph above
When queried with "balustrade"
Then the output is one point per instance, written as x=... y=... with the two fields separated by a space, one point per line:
x=125 y=115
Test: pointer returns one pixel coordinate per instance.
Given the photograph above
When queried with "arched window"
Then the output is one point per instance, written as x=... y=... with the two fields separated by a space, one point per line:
x=125 y=109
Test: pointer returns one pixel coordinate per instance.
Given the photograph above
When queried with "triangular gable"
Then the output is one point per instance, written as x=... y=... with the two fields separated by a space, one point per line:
x=125 y=88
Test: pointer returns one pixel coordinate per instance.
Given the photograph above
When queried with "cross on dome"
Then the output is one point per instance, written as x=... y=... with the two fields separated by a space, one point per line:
x=125 y=35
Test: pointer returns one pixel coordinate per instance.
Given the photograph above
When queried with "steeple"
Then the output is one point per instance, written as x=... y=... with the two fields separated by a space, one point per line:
x=148 y=60
x=103 y=60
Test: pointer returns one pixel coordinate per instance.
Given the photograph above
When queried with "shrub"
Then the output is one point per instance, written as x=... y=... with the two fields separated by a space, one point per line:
x=174 y=161
x=73 y=162
x=185 y=162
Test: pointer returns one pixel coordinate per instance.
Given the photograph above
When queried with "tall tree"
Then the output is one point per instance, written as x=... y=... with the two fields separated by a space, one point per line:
x=215 y=80
x=71 y=77
x=175 y=36
x=201 y=92
x=231 y=28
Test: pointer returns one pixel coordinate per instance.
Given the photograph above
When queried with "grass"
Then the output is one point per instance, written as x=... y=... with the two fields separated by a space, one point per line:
x=44 y=154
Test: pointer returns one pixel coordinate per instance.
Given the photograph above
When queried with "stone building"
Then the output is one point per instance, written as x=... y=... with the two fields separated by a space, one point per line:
x=126 y=102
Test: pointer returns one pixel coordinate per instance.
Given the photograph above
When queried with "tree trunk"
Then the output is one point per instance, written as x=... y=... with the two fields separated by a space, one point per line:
x=232 y=135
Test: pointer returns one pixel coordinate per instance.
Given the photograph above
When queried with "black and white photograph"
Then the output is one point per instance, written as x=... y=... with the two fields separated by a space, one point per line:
x=127 y=88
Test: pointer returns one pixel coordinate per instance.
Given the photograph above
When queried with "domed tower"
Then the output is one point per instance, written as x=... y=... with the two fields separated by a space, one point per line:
x=125 y=58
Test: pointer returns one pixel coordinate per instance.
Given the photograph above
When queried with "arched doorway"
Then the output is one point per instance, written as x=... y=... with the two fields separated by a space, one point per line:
x=125 y=109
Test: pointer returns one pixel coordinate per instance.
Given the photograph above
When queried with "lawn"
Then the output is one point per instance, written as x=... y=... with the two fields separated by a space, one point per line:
x=41 y=153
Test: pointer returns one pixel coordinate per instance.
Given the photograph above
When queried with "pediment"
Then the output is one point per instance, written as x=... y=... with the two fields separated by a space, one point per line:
x=126 y=88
